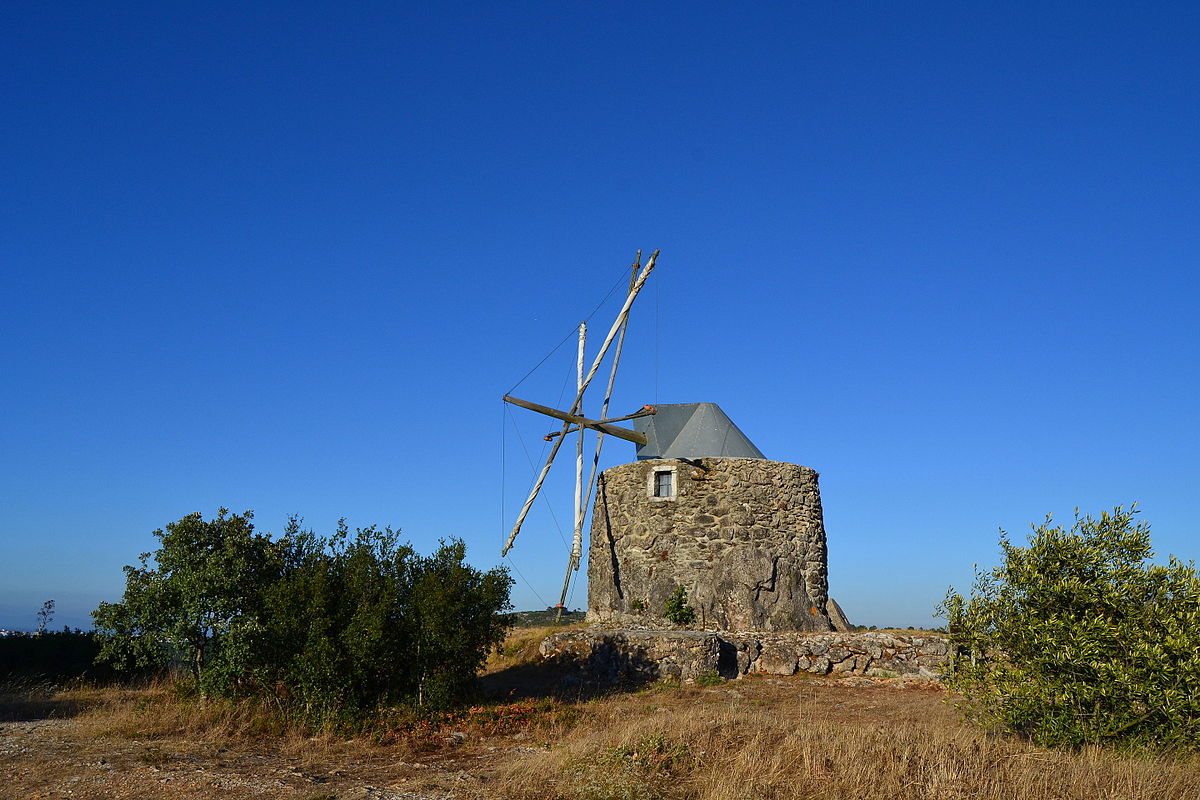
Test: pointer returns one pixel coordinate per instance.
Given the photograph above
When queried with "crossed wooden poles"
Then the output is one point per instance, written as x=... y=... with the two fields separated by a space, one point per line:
x=574 y=421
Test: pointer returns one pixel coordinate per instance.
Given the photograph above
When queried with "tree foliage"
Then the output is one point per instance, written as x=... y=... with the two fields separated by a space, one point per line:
x=1079 y=638
x=328 y=628
x=44 y=615
x=206 y=574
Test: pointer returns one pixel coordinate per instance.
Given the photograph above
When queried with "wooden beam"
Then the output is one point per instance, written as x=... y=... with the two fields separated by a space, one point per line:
x=622 y=315
x=645 y=412
x=594 y=424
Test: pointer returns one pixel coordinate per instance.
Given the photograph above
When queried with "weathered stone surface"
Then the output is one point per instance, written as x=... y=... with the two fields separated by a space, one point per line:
x=602 y=657
x=744 y=536
x=838 y=617
x=776 y=660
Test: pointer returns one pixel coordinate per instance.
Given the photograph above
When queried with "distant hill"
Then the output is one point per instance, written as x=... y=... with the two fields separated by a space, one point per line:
x=538 y=619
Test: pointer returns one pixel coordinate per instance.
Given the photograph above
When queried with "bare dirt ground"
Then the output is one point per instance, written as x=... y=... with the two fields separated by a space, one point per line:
x=48 y=758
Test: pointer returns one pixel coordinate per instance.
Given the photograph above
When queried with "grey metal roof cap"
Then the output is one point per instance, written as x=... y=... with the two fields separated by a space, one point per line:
x=692 y=430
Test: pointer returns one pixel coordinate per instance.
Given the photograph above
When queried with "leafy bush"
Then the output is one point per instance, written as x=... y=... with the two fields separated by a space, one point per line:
x=1078 y=638
x=329 y=629
x=677 y=610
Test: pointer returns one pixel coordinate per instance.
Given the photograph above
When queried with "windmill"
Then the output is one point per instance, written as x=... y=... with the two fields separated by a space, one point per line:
x=574 y=421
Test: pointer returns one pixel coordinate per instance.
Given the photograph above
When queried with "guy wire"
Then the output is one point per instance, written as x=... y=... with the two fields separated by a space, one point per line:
x=570 y=334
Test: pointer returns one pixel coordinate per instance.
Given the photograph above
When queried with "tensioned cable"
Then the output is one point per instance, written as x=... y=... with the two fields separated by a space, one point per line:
x=725 y=438
x=573 y=332
x=503 y=511
x=504 y=428
x=543 y=361
x=526 y=581
x=656 y=339
x=529 y=458
x=503 y=467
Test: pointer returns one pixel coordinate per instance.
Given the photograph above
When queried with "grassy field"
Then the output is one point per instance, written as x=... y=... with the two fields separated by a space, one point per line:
x=759 y=737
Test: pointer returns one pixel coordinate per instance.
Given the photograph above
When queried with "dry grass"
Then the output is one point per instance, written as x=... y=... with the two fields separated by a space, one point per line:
x=800 y=740
x=907 y=631
x=758 y=738
x=25 y=700
x=158 y=711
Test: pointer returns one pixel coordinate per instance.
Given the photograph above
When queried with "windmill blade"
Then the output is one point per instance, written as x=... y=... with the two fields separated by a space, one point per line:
x=577 y=544
x=622 y=316
x=618 y=323
x=602 y=425
x=579 y=499
x=581 y=507
x=575 y=421
x=537 y=487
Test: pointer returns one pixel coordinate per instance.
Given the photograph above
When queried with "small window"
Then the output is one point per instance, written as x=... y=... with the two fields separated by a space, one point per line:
x=664 y=483
x=660 y=483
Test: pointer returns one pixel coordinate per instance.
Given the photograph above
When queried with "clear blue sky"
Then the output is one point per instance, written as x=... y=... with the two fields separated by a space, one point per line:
x=288 y=257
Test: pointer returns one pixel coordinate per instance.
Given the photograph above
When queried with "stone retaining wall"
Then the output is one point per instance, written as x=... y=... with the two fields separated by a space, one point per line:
x=600 y=657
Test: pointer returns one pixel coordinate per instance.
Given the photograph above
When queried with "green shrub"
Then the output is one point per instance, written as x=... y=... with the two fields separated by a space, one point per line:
x=326 y=629
x=677 y=610
x=1078 y=638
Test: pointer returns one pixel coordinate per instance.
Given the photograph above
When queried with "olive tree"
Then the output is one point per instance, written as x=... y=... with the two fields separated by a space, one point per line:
x=1079 y=637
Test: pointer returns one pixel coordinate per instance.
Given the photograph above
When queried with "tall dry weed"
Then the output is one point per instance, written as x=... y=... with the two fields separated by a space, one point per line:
x=790 y=752
x=160 y=710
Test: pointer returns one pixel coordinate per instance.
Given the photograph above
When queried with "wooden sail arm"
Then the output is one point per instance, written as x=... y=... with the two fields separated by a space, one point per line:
x=645 y=412
x=594 y=424
x=617 y=326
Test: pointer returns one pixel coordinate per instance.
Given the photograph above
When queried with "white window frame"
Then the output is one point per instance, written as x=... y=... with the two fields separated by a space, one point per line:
x=651 y=480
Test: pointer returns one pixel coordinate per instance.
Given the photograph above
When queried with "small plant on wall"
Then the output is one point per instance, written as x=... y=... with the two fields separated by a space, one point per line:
x=677 y=610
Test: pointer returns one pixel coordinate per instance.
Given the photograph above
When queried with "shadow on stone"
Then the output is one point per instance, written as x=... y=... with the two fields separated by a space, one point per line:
x=727 y=660
x=601 y=667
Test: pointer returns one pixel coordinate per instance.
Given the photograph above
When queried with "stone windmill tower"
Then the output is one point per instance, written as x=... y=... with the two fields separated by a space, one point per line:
x=701 y=508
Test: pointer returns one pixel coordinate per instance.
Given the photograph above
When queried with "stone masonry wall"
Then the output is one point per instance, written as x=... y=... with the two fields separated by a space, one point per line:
x=602 y=658
x=744 y=536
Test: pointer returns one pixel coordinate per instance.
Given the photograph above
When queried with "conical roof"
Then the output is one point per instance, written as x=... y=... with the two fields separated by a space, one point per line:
x=692 y=430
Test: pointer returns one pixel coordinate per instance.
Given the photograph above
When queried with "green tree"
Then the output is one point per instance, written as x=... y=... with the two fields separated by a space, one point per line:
x=361 y=621
x=336 y=629
x=456 y=618
x=185 y=597
x=1079 y=638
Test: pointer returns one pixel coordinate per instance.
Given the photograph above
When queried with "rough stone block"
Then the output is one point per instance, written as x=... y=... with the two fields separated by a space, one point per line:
x=777 y=660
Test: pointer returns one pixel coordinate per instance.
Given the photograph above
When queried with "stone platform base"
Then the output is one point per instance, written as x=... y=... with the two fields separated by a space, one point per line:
x=601 y=657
